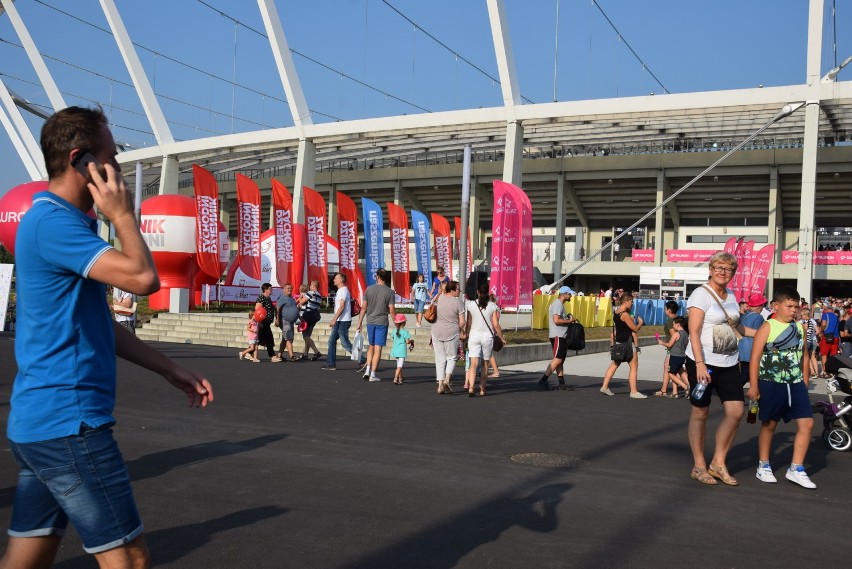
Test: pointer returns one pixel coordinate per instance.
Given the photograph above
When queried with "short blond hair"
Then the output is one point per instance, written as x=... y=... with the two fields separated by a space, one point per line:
x=723 y=257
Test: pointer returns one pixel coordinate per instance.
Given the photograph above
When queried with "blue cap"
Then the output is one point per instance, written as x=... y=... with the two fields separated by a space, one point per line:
x=566 y=290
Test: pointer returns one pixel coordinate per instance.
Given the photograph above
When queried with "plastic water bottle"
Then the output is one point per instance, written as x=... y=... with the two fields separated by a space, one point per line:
x=752 y=412
x=700 y=388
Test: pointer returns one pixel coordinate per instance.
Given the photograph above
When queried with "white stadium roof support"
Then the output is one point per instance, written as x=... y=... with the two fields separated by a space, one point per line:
x=137 y=74
x=38 y=64
x=505 y=55
x=26 y=144
x=29 y=164
x=284 y=60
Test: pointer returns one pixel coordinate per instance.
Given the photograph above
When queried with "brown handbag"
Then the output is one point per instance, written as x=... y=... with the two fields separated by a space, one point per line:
x=431 y=313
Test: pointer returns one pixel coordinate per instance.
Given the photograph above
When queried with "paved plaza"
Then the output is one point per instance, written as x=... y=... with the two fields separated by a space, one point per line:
x=297 y=467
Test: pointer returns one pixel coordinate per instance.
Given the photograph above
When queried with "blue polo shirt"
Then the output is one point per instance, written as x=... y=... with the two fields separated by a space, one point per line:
x=64 y=345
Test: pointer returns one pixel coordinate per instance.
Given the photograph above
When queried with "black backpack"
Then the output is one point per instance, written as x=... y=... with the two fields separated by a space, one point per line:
x=575 y=336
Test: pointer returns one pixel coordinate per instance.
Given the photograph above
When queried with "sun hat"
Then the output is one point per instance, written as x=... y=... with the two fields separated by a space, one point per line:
x=399 y=318
x=756 y=299
x=566 y=290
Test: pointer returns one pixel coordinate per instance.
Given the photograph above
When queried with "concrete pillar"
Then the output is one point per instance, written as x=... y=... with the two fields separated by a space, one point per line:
x=397 y=193
x=513 y=155
x=475 y=231
x=169 y=175
x=559 y=237
x=660 y=224
x=305 y=176
x=774 y=226
x=807 y=203
x=331 y=212
x=179 y=300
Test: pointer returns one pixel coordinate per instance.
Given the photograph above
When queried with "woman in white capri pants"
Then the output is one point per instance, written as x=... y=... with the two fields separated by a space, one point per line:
x=447 y=330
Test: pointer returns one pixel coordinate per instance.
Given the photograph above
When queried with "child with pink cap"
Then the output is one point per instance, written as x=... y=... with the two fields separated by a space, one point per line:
x=402 y=343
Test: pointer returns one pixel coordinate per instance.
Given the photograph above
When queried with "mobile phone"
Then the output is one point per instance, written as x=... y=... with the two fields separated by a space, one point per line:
x=81 y=162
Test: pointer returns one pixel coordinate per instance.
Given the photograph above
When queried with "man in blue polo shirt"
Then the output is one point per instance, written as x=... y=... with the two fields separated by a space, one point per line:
x=63 y=397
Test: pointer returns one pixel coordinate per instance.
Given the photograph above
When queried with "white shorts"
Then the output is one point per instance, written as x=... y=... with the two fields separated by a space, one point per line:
x=400 y=362
x=479 y=345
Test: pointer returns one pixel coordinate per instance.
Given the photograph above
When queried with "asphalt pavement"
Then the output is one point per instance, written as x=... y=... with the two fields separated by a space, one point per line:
x=293 y=466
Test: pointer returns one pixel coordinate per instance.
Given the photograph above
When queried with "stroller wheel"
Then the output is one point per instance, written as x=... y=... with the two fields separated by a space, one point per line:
x=837 y=438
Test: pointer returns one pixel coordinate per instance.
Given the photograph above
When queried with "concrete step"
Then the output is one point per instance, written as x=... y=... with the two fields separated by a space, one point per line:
x=228 y=330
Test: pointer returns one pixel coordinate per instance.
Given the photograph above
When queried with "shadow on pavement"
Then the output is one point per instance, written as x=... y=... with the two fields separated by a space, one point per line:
x=168 y=545
x=445 y=545
x=158 y=463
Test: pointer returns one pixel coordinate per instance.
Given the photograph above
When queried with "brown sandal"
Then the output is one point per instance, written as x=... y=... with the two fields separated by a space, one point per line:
x=702 y=476
x=721 y=472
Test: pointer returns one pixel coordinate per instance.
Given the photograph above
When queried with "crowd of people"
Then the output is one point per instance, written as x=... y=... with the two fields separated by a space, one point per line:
x=461 y=327
x=772 y=349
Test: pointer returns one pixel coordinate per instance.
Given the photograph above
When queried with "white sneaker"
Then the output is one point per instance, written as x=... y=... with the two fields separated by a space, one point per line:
x=764 y=474
x=606 y=391
x=375 y=378
x=638 y=395
x=800 y=477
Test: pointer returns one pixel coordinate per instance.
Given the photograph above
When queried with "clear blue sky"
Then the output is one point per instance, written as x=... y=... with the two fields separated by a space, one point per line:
x=688 y=45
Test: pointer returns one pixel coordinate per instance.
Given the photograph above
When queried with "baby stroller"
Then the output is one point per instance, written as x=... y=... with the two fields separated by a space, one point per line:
x=836 y=432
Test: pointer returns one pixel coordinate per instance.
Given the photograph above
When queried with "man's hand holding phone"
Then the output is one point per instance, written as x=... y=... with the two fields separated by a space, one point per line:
x=106 y=184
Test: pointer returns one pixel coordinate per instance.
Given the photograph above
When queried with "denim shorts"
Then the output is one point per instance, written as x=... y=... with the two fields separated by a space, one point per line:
x=377 y=334
x=82 y=478
x=418 y=305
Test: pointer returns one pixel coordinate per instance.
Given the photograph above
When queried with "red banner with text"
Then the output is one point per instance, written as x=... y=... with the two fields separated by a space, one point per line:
x=398 y=222
x=285 y=258
x=248 y=227
x=206 y=221
x=443 y=251
x=347 y=233
x=315 y=246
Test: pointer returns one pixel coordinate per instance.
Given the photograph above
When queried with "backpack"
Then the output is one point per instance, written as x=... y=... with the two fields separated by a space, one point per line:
x=354 y=307
x=575 y=336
